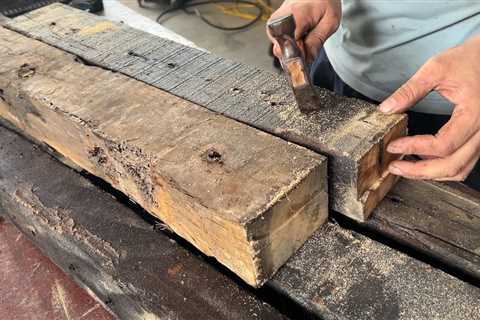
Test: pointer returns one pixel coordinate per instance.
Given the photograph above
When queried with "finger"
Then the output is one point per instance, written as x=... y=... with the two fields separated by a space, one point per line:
x=455 y=133
x=314 y=41
x=412 y=91
x=470 y=148
x=304 y=20
x=318 y=35
x=446 y=168
x=461 y=176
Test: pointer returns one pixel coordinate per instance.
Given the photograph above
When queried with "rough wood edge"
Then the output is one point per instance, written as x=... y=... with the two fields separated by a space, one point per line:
x=252 y=272
x=381 y=181
x=353 y=209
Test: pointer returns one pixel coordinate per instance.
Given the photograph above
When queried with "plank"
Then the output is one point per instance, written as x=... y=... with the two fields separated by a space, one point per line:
x=131 y=267
x=441 y=220
x=351 y=132
x=337 y=274
x=340 y=274
x=224 y=186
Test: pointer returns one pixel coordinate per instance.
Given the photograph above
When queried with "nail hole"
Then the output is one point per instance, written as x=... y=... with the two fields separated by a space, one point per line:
x=273 y=103
x=171 y=65
x=52 y=24
x=72 y=267
x=33 y=233
x=236 y=90
x=26 y=71
x=213 y=156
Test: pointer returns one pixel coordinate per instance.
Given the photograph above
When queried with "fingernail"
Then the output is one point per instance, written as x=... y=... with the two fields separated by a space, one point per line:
x=394 y=148
x=395 y=170
x=386 y=107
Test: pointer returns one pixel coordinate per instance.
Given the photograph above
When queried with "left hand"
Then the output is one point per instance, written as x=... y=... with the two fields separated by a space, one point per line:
x=452 y=153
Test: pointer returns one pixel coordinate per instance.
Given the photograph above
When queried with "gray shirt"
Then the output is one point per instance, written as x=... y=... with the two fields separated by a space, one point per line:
x=381 y=44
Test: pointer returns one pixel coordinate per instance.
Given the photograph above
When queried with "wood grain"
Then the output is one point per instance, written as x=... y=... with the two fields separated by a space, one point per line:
x=441 y=220
x=227 y=188
x=337 y=274
x=120 y=256
x=351 y=132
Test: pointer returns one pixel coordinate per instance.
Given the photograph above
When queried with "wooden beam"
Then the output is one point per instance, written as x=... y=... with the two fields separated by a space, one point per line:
x=130 y=265
x=351 y=132
x=243 y=196
x=109 y=248
x=441 y=220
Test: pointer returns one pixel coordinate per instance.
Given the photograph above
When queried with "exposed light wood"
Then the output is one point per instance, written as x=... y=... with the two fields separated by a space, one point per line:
x=243 y=196
x=120 y=255
x=351 y=132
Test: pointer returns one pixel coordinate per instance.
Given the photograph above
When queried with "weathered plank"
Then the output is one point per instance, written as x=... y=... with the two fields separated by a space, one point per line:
x=351 y=132
x=227 y=188
x=337 y=274
x=134 y=269
x=439 y=219
x=341 y=274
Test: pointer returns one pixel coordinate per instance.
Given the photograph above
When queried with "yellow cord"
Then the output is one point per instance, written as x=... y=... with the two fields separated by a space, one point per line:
x=235 y=10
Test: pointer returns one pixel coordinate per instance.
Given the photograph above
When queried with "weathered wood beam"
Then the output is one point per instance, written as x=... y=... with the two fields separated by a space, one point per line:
x=134 y=269
x=441 y=220
x=351 y=132
x=243 y=196
x=105 y=246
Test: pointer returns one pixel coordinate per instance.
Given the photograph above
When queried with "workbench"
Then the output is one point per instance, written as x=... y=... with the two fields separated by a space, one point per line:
x=417 y=256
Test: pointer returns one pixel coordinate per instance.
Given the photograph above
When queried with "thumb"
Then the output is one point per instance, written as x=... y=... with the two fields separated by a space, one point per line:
x=412 y=91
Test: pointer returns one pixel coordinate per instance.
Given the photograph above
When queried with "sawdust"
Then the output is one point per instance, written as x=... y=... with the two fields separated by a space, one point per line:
x=354 y=277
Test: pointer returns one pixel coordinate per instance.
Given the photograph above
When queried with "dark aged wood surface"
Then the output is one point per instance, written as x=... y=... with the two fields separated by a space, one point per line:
x=224 y=186
x=350 y=131
x=439 y=219
x=337 y=274
x=445 y=226
x=136 y=271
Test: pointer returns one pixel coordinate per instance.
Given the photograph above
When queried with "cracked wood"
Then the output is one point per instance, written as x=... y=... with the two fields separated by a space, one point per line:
x=351 y=132
x=337 y=274
x=227 y=188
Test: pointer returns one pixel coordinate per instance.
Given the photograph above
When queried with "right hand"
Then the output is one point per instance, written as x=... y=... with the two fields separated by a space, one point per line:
x=316 y=20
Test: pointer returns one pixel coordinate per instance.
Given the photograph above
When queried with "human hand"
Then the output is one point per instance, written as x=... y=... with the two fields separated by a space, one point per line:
x=452 y=153
x=316 y=20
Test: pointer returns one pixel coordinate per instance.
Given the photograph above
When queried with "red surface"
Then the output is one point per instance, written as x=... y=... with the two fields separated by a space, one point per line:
x=32 y=287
